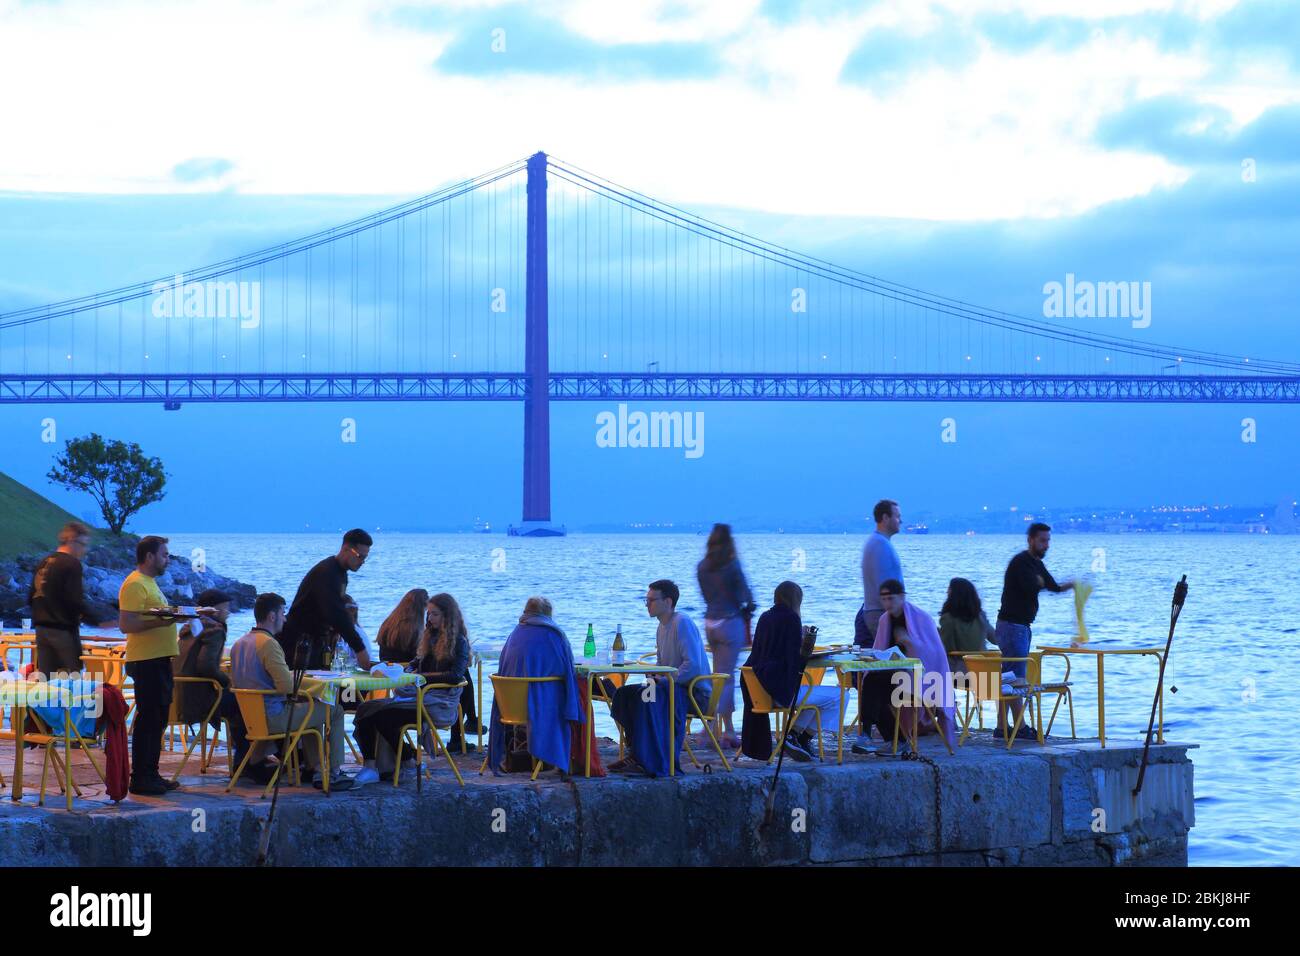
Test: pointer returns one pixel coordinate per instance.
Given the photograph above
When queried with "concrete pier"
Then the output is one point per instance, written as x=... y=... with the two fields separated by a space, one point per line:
x=1068 y=804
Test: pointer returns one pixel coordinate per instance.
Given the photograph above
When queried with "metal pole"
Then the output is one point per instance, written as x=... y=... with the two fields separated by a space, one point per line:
x=1180 y=595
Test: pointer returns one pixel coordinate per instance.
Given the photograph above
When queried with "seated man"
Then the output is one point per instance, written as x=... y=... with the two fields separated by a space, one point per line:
x=642 y=709
x=201 y=645
x=257 y=661
x=781 y=645
x=906 y=626
x=537 y=647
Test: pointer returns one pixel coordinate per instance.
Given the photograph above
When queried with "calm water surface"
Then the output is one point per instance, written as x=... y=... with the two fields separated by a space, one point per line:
x=1234 y=658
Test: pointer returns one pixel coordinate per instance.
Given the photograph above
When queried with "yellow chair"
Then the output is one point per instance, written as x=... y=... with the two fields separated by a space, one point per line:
x=108 y=664
x=618 y=679
x=761 y=703
x=18 y=650
x=45 y=737
x=960 y=683
x=705 y=715
x=174 y=720
x=252 y=708
x=848 y=681
x=423 y=720
x=512 y=706
x=917 y=703
x=985 y=679
x=1061 y=688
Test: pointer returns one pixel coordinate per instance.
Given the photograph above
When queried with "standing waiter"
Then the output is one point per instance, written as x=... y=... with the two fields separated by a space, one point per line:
x=58 y=603
x=319 y=606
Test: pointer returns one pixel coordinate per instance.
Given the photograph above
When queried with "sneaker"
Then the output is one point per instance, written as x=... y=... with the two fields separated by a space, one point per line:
x=1027 y=733
x=367 y=775
x=904 y=750
x=807 y=742
x=862 y=746
x=259 y=774
x=147 y=788
x=170 y=784
x=795 y=751
x=341 y=782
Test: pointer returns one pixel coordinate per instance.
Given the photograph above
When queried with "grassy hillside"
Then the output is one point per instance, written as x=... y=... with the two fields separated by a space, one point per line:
x=28 y=521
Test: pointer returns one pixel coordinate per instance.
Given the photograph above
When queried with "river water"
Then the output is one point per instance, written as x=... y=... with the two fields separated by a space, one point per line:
x=1234 y=656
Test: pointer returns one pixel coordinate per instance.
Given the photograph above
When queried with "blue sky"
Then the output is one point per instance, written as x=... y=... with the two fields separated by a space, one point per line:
x=976 y=150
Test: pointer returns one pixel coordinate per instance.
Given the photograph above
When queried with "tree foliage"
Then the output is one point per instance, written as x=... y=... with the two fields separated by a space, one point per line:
x=117 y=474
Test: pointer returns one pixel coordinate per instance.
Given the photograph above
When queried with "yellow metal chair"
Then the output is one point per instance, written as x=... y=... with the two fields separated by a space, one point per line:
x=252 y=708
x=1061 y=688
x=848 y=681
x=960 y=683
x=45 y=737
x=985 y=679
x=18 y=650
x=512 y=706
x=917 y=703
x=618 y=680
x=174 y=720
x=705 y=715
x=423 y=721
x=108 y=664
x=761 y=703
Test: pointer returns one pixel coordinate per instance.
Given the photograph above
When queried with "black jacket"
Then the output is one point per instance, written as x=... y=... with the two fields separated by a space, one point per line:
x=777 y=665
x=200 y=656
x=317 y=607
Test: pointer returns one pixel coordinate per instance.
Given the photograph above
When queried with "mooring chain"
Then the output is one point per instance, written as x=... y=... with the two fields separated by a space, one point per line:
x=938 y=806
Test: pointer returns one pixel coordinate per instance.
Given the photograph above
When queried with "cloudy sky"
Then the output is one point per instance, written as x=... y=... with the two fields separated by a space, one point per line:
x=975 y=149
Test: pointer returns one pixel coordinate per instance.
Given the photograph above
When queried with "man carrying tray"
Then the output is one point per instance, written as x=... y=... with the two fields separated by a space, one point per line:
x=151 y=644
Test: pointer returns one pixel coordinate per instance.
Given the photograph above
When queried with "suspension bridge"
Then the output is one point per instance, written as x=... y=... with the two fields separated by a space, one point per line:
x=541 y=281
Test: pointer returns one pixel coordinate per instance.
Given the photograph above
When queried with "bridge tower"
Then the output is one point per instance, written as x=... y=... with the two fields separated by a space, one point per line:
x=537 y=408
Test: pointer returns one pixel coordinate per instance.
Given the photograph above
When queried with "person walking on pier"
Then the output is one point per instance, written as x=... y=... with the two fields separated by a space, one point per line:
x=880 y=563
x=58 y=603
x=319 y=605
x=1026 y=575
x=728 y=604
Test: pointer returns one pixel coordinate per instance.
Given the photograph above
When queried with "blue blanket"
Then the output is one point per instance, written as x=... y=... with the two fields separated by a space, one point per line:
x=538 y=648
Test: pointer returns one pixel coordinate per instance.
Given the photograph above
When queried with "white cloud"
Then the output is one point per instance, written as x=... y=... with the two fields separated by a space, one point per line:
x=312 y=98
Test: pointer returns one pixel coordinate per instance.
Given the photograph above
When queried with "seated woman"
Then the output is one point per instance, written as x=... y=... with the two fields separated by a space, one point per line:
x=400 y=633
x=442 y=655
x=781 y=645
x=963 y=626
x=537 y=647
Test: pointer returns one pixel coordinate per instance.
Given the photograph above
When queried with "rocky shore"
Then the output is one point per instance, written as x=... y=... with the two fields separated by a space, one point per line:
x=105 y=568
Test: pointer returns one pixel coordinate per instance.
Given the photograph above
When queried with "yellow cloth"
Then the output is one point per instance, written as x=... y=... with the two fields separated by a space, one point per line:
x=139 y=593
x=1082 y=592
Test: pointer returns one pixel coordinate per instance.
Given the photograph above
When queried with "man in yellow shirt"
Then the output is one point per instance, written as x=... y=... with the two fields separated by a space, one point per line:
x=150 y=646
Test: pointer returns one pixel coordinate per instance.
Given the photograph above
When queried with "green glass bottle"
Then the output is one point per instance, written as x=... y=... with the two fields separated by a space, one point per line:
x=589 y=648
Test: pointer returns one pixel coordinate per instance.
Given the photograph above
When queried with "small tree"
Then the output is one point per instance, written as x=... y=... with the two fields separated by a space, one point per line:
x=116 y=474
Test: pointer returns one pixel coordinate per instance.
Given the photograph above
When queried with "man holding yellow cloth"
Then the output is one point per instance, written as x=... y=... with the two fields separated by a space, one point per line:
x=150 y=646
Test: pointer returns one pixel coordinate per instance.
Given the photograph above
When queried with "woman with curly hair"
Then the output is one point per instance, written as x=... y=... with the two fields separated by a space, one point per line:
x=442 y=655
